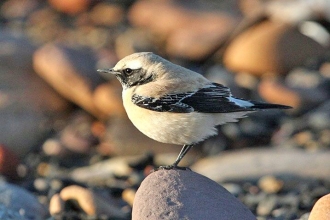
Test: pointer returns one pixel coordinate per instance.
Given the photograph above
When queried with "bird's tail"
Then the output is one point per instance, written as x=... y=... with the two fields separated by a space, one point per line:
x=263 y=105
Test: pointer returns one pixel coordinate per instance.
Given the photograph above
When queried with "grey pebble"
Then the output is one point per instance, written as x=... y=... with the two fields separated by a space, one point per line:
x=183 y=194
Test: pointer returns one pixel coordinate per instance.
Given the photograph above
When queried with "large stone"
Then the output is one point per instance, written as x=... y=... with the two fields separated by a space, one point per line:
x=27 y=103
x=321 y=209
x=253 y=163
x=270 y=47
x=18 y=200
x=71 y=72
x=183 y=194
x=70 y=7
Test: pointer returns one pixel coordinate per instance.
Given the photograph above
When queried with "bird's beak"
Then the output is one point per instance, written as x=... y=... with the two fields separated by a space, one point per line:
x=107 y=73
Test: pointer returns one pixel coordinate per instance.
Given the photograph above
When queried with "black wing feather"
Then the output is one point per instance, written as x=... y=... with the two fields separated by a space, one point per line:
x=213 y=99
x=168 y=103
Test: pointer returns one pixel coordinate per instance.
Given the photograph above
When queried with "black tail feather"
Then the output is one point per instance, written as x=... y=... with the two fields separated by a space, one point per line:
x=262 y=105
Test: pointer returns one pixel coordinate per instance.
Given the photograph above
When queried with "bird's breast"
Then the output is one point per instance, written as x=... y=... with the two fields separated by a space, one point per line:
x=168 y=127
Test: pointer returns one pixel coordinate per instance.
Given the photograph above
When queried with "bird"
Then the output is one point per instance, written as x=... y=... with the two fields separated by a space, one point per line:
x=172 y=104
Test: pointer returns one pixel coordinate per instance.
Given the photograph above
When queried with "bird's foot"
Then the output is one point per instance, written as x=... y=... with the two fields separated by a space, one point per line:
x=171 y=167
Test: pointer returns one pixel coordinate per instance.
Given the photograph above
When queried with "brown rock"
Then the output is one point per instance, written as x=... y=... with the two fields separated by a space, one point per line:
x=183 y=194
x=275 y=92
x=70 y=7
x=174 y=25
x=270 y=47
x=8 y=163
x=321 y=209
x=108 y=99
x=56 y=66
x=302 y=95
x=161 y=17
x=134 y=40
x=107 y=14
x=212 y=31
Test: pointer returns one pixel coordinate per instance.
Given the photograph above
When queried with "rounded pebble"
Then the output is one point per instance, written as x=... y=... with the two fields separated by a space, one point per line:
x=183 y=194
x=270 y=184
x=321 y=209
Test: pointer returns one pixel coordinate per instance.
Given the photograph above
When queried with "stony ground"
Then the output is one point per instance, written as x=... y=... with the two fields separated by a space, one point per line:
x=68 y=148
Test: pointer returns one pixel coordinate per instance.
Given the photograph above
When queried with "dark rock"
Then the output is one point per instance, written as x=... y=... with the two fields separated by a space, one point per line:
x=27 y=103
x=21 y=201
x=8 y=163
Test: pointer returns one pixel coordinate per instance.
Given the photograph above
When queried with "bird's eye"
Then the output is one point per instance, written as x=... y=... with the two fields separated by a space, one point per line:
x=128 y=71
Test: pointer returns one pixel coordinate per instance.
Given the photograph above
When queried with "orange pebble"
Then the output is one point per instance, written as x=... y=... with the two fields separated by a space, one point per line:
x=321 y=209
x=274 y=92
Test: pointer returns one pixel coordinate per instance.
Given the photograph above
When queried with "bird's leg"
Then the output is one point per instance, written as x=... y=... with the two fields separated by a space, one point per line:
x=182 y=153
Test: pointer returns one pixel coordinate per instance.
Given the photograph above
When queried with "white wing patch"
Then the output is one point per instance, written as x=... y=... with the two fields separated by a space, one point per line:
x=240 y=102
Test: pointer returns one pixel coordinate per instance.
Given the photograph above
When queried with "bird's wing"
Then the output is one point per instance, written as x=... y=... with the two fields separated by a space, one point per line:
x=214 y=98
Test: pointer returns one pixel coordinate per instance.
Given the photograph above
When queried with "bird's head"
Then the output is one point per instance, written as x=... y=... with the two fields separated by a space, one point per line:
x=136 y=69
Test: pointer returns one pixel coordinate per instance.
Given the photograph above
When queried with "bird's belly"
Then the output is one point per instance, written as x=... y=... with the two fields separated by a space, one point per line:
x=172 y=128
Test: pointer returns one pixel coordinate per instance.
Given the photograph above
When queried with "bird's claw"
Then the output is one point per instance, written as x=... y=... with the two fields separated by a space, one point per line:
x=171 y=167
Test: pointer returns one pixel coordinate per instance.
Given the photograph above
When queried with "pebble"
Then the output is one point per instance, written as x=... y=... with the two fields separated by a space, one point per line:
x=20 y=201
x=257 y=162
x=56 y=204
x=27 y=103
x=233 y=188
x=169 y=22
x=77 y=136
x=102 y=170
x=134 y=40
x=162 y=18
x=56 y=64
x=267 y=47
x=108 y=99
x=213 y=30
x=129 y=195
x=91 y=203
x=107 y=14
x=270 y=184
x=267 y=205
x=9 y=214
x=183 y=194
x=8 y=163
x=321 y=209
x=31 y=111
x=70 y=7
